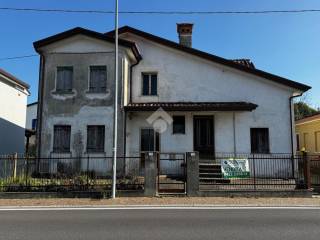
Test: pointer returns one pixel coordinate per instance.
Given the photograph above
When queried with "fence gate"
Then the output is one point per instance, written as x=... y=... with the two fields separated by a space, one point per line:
x=172 y=173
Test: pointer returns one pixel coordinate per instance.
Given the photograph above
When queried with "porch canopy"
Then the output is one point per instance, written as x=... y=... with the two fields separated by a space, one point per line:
x=191 y=106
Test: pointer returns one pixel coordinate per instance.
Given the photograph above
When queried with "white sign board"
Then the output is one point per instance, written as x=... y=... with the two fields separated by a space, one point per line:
x=235 y=168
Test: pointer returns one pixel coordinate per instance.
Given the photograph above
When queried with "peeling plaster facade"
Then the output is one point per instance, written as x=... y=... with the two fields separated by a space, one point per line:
x=81 y=108
x=182 y=77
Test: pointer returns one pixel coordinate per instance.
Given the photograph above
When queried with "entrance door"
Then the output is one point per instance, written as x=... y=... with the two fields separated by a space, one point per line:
x=204 y=136
x=149 y=142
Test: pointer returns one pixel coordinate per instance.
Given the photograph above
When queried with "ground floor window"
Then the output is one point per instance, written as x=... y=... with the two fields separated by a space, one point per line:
x=61 y=138
x=95 y=138
x=179 y=125
x=260 y=140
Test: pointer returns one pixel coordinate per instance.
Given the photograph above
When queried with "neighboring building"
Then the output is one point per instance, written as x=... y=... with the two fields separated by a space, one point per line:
x=308 y=134
x=13 y=102
x=31 y=127
x=211 y=104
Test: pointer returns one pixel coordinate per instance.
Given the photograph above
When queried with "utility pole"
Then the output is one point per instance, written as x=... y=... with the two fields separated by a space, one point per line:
x=115 y=122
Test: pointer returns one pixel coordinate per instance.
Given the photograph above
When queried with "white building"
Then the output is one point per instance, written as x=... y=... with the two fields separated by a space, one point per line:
x=31 y=121
x=13 y=102
x=211 y=104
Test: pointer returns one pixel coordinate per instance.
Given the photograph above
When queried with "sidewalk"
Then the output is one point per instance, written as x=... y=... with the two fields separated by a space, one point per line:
x=165 y=201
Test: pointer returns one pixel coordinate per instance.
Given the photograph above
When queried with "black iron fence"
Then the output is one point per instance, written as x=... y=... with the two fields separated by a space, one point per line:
x=171 y=173
x=315 y=172
x=21 y=173
x=241 y=172
x=253 y=172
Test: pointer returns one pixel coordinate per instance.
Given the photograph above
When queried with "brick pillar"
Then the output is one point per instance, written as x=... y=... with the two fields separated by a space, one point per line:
x=307 y=172
x=150 y=172
x=192 y=174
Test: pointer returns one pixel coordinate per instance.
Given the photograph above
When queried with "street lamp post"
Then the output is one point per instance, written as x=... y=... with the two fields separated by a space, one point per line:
x=115 y=122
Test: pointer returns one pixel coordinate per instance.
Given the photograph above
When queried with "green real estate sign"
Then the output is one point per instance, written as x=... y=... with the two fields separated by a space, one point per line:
x=235 y=168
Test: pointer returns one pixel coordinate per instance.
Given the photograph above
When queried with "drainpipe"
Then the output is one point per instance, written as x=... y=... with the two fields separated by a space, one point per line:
x=40 y=106
x=130 y=81
x=291 y=125
x=291 y=121
x=130 y=101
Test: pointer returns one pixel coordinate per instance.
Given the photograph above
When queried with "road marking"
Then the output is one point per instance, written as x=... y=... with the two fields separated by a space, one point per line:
x=133 y=207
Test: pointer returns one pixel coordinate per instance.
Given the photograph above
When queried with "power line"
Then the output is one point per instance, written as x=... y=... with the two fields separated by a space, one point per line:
x=18 y=57
x=160 y=12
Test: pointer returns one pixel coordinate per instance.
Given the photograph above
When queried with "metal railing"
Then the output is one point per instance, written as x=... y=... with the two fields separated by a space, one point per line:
x=252 y=172
x=61 y=174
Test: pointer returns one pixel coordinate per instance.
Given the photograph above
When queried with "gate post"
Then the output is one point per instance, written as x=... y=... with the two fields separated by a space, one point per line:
x=150 y=174
x=192 y=174
x=307 y=170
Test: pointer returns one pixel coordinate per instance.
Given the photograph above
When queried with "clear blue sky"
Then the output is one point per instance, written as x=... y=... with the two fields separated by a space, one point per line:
x=283 y=44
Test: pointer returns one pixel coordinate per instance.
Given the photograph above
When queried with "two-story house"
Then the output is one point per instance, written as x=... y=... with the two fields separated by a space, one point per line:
x=207 y=103
x=13 y=105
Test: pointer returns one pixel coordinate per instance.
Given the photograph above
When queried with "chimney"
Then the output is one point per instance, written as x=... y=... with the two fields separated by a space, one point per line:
x=185 y=34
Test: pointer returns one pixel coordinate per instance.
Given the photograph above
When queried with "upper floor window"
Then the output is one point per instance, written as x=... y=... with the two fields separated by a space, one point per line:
x=179 y=124
x=64 y=79
x=61 y=138
x=95 y=138
x=98 y=79
x=149 y=84
x=260 y=140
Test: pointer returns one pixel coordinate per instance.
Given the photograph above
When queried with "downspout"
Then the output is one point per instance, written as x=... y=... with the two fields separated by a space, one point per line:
x=291 y=125
x=130 y=81
x=125 y=113
x=40 y=106
x=291 y=121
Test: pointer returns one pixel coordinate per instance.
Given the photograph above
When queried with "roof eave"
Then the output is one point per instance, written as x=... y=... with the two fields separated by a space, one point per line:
x=214 y=58
x=72 y=32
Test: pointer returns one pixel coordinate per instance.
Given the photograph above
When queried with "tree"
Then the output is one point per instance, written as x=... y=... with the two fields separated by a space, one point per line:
x=302 y=110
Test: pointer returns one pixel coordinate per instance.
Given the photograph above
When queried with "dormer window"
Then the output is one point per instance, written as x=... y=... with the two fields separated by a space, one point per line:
x=149 y=84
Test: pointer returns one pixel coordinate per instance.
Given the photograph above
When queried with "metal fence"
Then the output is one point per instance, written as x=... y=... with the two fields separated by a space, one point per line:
x=65 y=174
x=315 y=172
x=252 y=172
x=171 y=173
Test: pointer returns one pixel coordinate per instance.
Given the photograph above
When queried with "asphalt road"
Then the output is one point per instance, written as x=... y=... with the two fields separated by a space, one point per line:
x=167 y=224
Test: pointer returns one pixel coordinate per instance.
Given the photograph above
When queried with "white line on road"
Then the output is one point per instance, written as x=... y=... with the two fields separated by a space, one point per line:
x=133 y=207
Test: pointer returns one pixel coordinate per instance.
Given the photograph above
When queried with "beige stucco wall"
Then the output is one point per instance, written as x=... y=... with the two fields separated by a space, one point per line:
x=309 y=136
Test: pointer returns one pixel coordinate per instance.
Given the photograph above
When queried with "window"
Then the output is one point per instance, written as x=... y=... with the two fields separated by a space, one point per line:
x=34 y=124
x=64 y=79
x=95 y=138
x=179 y=123
x=149 y=84
x=98 y=79
x=260 y=140
x=298 y=142
x=61 y=138
x=317 y=142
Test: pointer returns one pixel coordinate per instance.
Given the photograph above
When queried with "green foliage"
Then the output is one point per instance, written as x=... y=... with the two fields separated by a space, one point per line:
x=302 y=110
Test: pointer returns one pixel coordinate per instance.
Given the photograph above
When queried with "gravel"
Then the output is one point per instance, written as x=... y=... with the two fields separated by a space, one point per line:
x=183 y=201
